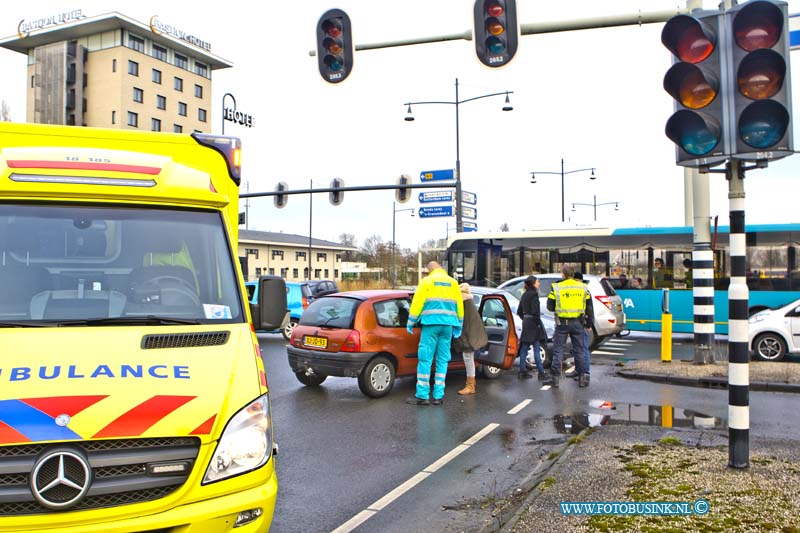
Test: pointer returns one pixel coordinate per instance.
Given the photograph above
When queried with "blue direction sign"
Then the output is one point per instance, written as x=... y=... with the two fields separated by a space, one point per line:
x=435 y=196
x=470 y=226
x=436 y=211
x=469 y=212
x=436 y=175
x=469 y=197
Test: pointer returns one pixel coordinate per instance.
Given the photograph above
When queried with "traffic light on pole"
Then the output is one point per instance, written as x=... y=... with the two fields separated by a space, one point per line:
x=334 y=46
x=281 y=199
x=761 y=108
x=695 y=81
x=496 y=31
x=336 y=197
x=403 y=194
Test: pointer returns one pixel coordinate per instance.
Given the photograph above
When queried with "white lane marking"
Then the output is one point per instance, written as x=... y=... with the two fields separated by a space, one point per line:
x=621 y=341
x=545 y=387
x=602 y=352
x=367 y=513
x=618 y=349
x=519 y=407
x=569 y=369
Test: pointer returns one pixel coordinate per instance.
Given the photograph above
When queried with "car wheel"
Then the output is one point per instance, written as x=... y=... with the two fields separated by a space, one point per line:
x=377 y=378
x=769 y=347
x=288 y=329
x=310 y=380
x=490 y=372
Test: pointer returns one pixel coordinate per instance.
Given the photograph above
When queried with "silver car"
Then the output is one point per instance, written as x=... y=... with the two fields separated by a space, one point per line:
x=609 y=316
x=775 y=332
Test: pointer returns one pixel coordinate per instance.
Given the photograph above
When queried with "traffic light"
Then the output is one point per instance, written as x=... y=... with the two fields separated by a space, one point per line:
x=336 y=197
x=334 y=46
x=695 y=81
x=761 y=121
x=403 y=194
x=496 y=31
x=281 y=199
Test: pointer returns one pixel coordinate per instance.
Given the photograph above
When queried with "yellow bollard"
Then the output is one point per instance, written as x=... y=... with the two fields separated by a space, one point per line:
x=666 y=338
x=666 y=416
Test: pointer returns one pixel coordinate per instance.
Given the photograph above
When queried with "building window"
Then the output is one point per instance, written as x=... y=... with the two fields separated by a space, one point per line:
x=133 y=119
x=181 y=62
x=277 y=254
x=295 y=273
x=201 y=69
x=198 y=91
x=138 y=95
x=317 y=273
x=284 y=273
x=335 y=273
x=178 y=84
x=113 y=66
x=33 y=79
x=338 y=258
x=177 y=128
x=305 y=273
x=258 y=272
x=133 y=68
x=156 y=76
x=322 y=257
x=201 y=115
x=137 y=43
x=113 y=117
x=299 y=255
x=71 y=119
x=326 y=272
x=182 y=109
x=159 y=52
x=251 y=251
x=271 y=271
x=161 y=102
x=155 y=124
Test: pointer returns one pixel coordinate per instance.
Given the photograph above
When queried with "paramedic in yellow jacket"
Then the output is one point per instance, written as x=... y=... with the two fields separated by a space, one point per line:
x=437 y=306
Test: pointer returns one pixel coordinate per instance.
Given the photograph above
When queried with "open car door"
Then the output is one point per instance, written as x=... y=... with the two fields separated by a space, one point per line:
x=498 y=319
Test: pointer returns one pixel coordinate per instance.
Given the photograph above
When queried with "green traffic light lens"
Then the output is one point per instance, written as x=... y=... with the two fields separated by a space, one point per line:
x=689 y=39
x=758 y=25
x=334 y=63
x=495 y=45
x=762 y=124
x=694 y=134
x=761 y=74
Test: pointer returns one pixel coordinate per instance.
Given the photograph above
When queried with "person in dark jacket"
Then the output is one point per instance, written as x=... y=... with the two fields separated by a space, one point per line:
x=533 y=332
x=473 y=337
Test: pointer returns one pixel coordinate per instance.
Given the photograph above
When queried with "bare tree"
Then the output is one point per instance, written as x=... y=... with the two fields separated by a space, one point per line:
x=348 y=239
x=5 y=112
x=504 y=226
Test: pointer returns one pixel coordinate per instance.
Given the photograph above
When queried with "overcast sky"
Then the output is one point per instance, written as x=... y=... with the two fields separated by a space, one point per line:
x=592 y=97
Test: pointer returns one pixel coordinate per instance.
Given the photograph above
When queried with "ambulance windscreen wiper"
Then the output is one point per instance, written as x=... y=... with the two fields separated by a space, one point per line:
x=130 y=320
x=25 y=324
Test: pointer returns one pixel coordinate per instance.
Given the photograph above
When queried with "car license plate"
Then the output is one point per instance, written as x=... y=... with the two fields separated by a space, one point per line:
x=317 y=342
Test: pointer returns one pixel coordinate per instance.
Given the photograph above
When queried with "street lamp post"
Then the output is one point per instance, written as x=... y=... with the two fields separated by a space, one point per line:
x=562 y=174
x=595 y=204
x=409 y=117
x=394 y=244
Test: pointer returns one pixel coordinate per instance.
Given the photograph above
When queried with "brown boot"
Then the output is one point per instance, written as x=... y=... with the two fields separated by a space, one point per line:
x=469 y=388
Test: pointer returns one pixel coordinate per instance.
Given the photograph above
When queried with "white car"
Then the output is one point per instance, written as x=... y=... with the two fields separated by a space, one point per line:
x=775 y=332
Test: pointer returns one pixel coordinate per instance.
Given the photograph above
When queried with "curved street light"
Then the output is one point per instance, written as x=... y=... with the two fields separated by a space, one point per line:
x=562 y=174
x=595 y=205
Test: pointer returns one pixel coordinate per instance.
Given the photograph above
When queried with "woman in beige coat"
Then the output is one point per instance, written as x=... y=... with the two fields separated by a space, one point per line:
x=473 y=337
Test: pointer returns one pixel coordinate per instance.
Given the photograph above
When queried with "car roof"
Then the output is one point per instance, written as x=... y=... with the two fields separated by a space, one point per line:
x=369 y=294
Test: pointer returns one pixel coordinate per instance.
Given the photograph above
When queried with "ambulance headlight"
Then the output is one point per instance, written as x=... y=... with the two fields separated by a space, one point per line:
x=246 y=443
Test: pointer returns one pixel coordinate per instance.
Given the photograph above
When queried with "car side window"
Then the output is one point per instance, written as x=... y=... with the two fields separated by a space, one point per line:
x=392 y=313
x=494 y=314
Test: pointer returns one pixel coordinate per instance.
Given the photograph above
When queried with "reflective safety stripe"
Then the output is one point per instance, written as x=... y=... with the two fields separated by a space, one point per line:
x=424 y=376
x=440 y=375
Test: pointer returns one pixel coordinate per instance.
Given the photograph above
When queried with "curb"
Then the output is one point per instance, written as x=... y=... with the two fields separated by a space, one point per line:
x=709 y=382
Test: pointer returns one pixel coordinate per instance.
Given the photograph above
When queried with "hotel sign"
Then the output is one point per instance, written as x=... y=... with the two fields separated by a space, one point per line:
x=25 y=27
x=159 y=28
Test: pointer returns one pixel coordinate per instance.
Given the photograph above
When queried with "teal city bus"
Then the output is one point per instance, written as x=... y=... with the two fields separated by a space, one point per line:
x=773 y=273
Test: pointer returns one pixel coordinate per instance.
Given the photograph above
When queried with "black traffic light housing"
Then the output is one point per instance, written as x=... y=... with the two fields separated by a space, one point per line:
x=281 y=199
x=496 y=31
x=336 y=197
x=696 y=83
x=403 y=194
x=760 y=91
x=334 y=46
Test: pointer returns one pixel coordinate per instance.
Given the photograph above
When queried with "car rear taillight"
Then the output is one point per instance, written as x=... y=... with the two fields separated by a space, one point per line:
x=605 y=300
x=305 y=302
x=352 y=343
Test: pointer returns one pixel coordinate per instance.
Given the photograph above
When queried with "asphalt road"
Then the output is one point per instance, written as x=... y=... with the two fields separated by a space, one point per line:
x=360 y=464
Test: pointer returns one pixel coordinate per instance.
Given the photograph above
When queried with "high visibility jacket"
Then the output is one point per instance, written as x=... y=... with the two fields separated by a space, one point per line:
x=570 y=298
x=437 y=301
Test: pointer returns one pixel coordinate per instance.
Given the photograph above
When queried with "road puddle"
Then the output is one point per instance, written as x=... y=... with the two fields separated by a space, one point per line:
x=604 y=413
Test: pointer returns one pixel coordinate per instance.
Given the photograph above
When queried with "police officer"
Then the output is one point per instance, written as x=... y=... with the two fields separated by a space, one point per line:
x=570 y=302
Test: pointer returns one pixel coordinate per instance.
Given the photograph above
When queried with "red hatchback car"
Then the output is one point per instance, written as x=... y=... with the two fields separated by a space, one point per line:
x=362 y=334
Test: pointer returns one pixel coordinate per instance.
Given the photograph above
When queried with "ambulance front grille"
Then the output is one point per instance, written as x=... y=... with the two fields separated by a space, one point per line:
x=119 y=471
x=185 y=340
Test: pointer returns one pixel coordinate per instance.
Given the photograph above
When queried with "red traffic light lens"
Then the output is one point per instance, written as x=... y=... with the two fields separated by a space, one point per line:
x=332 y=27
x=761 y=74
x=689 y=39
x=494 y=9
x=758 y=25
x=494 y=27
x=687 y=84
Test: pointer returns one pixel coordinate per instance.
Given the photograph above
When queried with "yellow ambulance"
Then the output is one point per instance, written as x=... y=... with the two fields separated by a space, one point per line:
x=133 y=397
